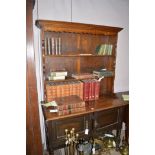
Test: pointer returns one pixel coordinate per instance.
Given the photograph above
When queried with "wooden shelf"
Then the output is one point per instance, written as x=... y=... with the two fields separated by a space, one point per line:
x=60 y=26
x=67 y=79
x=103 y=103
x=78 y=55
x=71 y=79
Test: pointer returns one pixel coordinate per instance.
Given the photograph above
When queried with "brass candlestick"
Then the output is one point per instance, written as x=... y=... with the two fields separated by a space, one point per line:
x=71 y=141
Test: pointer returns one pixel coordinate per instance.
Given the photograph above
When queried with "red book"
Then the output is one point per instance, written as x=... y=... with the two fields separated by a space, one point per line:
x=90 y=90
x=85 y=90
x=93 y=89
x=97 y=88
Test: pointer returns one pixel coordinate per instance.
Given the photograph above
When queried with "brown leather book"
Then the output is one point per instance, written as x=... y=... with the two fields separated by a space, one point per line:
x=61 y=89
x=69 y=102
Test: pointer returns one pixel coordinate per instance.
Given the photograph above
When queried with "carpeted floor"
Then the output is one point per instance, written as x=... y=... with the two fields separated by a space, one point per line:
x=61 y=152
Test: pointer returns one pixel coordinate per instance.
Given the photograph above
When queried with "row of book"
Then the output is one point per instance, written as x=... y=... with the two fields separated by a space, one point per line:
x=52 y=46
x=65 y=88
x=91 y=89
x=104 y=49
x=87 y=89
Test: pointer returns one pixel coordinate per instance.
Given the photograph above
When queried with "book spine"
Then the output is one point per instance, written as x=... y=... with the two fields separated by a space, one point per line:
x=49 y=46
x=53 y=46
x=87 y=91
x=58 y=73
x=97 y=88
x=93 y=90
x=59 y=46
x=69 y=111
x=81 y=90
x=111 y=49
x=71 y=106
x=90 y=91
x=74 y=89
x=46 y=53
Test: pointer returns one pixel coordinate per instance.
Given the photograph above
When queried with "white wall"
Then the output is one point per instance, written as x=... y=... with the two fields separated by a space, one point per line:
x=104 y=12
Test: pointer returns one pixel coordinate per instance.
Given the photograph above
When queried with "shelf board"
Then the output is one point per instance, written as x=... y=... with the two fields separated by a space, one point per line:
x=67 y=79
x=105 y=102
x=78 y=55
x=71 y=79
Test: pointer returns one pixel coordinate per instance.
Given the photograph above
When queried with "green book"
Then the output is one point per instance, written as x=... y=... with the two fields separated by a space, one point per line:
x=125 y=97
x=110 y=52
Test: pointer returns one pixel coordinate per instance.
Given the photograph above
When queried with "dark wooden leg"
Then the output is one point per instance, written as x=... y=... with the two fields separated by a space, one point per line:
x=127 y=134
x=127 y=124
x=118 y=139
x=51 y=152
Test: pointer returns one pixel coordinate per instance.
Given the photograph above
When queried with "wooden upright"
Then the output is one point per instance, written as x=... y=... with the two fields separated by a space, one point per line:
x=33 y=134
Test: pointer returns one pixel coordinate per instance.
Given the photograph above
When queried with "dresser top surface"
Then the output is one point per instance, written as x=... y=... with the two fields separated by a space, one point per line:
x=103 y=103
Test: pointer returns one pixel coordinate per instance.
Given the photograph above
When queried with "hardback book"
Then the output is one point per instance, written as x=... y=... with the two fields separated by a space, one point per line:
x=83 y=76
x=71 y=111
x=90 y=89
x=69 y=102
x=62 y=77
x=105 y=73
x=85 y=90
x=97 y=89
x=59 y=73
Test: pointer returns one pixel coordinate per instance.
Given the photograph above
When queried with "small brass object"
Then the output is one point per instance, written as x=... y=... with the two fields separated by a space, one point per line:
x=124 y=150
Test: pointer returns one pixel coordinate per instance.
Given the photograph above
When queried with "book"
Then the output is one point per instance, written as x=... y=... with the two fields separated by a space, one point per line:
x=97 y=89
x=104 y=49
x=69 y=102
x=83 y=76
x=85 y=90
x=56 y=77
x=91 y=89
x=105 y=73
x=125 y=97
x=63 y=88
x=49 y=104
x=58 y=73
x=71 y=111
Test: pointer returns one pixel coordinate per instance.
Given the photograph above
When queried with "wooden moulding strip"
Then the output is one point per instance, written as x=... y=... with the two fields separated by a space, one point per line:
x=78 y=65
x=60 y=26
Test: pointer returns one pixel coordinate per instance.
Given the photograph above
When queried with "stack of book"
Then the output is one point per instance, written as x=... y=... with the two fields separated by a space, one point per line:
x=104 y=49
x=83 y=76
x=103 y=73
x=69 y=104
x=57 y=75
x=91 y=89
x=65 y=88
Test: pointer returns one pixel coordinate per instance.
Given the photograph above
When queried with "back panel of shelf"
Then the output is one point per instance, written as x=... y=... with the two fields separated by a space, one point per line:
x=76 y=43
